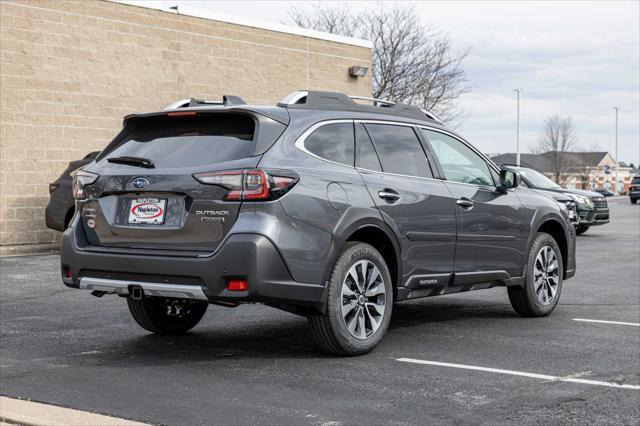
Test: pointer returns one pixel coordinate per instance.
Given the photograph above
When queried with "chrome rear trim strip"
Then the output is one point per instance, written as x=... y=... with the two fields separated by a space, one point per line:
x=177 y=291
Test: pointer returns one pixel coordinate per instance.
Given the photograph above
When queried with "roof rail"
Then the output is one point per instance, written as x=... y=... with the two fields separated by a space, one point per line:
x=376 y=102
x=334 y=100
x=227 y=100
x=384 y=102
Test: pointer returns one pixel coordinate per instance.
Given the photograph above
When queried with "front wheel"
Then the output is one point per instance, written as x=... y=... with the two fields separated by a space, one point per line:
x=633 y=200
x=581 y=229
x=359 y=304
x=542 y=280
x=166 y=316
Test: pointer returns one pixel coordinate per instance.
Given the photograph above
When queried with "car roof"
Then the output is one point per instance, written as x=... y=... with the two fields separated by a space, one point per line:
x=323 y=105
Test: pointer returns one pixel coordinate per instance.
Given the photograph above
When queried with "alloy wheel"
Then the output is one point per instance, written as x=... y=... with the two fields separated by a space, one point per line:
x=546 y=275
x=363 y=299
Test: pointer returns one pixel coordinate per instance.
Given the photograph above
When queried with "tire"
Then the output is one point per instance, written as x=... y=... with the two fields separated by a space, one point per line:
x=633 y=200
x=151 y=313
x=525 y=300
x=367 y=324
x=581 y=229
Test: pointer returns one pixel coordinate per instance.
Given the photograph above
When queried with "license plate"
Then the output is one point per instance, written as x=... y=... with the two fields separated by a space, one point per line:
x=147 y=210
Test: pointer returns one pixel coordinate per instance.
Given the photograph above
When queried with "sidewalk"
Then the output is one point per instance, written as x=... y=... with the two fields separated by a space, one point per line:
x=27 y=413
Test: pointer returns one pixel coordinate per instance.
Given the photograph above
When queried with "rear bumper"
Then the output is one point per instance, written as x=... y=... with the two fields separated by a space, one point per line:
x=251 y=257
x=634 y=195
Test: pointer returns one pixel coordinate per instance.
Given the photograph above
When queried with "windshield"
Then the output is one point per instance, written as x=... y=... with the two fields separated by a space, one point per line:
x=187 y=141
x=537 y=180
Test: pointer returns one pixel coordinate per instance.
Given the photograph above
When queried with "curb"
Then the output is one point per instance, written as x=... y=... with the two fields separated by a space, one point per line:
x=27 y=413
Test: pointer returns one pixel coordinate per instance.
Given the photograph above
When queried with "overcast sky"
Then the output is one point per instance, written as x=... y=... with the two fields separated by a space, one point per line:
x=576 y=59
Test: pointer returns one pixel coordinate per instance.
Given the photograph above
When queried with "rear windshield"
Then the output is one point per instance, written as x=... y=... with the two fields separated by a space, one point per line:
x=185 y=141
x=636 y=180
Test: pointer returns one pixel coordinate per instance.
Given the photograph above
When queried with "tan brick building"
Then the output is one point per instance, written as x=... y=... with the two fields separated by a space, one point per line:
x=70 y=70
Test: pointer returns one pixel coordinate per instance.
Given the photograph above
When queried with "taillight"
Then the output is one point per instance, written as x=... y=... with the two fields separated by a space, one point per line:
x=81 y=179
x=250 y=184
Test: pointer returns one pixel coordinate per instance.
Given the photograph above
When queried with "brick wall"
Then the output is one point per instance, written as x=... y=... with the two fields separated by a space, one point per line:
x=70 y=70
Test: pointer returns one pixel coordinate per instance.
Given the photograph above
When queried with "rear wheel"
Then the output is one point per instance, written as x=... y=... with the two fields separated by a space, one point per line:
x=359 y=304
x=542 y=279
x=166 y=316
x=634 y=200
x=581 y=229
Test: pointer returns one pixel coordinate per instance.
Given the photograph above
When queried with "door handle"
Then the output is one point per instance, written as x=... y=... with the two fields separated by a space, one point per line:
x=389 y=195
x=464 y=202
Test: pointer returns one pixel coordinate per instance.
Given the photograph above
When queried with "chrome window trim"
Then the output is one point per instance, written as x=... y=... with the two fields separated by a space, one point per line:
x=398 y=175
x=486 y=159
x=299 y=143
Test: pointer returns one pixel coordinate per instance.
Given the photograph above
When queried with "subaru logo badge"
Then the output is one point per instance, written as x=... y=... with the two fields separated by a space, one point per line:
x=140 y=182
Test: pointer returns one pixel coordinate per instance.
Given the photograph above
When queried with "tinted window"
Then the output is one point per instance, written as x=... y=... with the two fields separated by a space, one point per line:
x=366 y=156
x=399 y=150
x=459 y=162
x=187 y=141
x=537 y=180
x=332 y=142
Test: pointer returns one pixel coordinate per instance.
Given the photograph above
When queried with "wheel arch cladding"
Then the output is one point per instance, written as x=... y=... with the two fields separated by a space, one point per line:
x=556 y=230
x=376 y=237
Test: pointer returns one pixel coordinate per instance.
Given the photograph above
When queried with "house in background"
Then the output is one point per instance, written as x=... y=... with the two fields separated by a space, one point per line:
x=582 y=170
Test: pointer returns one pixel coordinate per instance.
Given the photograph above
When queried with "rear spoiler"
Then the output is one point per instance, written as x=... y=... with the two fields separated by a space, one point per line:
x=281 y=115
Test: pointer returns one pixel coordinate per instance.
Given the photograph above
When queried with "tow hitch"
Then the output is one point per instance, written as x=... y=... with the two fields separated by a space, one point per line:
x=136 y=292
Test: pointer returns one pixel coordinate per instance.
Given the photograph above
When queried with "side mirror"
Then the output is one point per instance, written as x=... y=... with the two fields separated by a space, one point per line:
x=508 y=179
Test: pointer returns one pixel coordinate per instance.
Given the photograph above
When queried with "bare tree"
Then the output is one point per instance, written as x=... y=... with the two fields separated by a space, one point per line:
x=557 y=142
x=412 y=63
x=584 y=168
x=334 y=20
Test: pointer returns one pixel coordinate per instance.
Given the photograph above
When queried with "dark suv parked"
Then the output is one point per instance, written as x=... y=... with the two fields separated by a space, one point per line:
x=591 y=206
x=61 y=207
x=634 y=190
x=320 y=206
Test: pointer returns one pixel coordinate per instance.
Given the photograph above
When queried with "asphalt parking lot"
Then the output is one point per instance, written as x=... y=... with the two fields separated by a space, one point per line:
x=254 y=364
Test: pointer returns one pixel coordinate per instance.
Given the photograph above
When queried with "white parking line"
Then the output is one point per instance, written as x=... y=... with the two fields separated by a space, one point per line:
x=520 y=373
x=634 y=324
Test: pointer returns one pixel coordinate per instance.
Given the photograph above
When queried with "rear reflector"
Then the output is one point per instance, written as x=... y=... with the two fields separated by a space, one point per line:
x=237 y=285
x=66 y=272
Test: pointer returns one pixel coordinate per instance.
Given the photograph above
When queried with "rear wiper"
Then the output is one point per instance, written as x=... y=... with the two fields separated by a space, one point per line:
x=132 y=161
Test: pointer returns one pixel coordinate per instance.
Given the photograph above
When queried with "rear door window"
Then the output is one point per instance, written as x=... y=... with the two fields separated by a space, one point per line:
x=333 y=142
x=399 y=150
x=187 y=141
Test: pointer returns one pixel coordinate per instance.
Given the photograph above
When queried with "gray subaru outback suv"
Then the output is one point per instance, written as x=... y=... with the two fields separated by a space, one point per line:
x=321 y=206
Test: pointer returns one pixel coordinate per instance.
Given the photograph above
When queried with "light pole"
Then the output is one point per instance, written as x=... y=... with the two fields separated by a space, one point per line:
x=518 y=127
x=616 y=184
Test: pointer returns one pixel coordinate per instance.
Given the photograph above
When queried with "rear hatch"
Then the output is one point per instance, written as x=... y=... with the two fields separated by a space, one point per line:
x=146 y=196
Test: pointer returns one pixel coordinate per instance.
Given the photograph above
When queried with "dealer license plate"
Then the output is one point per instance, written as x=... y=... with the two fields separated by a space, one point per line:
x=147 y=210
